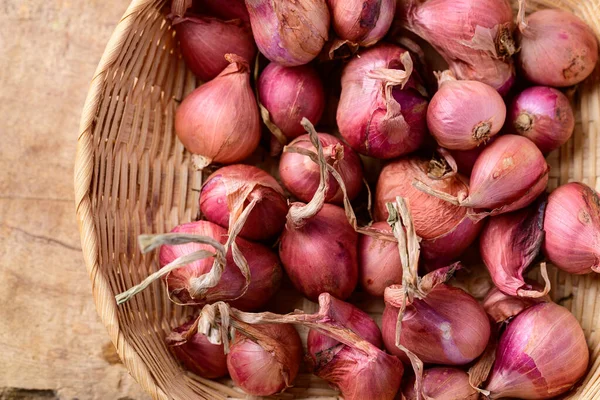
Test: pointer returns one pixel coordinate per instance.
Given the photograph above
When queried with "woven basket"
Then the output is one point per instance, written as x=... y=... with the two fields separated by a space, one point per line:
x=133 y=176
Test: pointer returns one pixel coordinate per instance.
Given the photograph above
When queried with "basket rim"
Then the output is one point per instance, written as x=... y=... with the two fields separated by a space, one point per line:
x=104 y=300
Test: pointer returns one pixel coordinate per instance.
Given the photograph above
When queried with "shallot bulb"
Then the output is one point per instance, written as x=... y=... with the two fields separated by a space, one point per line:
x=572 y=226
x=300 y=174
x=205 y=41
x=445 y=228
x=318 y=246
x=219 y=122
x=557 y=48
x=289 y=33
x=319 y=254
x=231 y=188
x=541 y=354
x=186 y=285
x=544 y=116
x=288 y=94
x=354 y=359
x=196 y=352
x=327 y=356
x=501 y=307
x=509 y=244
x=448 y=326
x=473 y=36
x=508 y=175
x=383 y=104
x=267 y=362
x=378 y=260
x=464 y=114
x=363 y=22
x=442 y=383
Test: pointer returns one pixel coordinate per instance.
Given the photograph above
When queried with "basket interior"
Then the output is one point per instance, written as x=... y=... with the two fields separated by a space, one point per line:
x=137 y=178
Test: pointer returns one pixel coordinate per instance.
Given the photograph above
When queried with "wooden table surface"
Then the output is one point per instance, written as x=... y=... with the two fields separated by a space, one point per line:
x=52 y=344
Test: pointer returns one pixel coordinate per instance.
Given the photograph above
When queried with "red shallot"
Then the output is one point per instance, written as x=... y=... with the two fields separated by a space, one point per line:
x=464 y=114
x=508 y=175
x=204 y=42
x=219 y=122
x=264 y=359
x=424 y=317
x=378 y=260
x=541 y=354
x=196 y=352
x=509 y=244
x=232 y=188
x=358 y=361
x=557 y=48
x=442 y=383
x=288 y=94
x=447 y=326
x=300 y=175
x=473 y=36
x=544 y=116
x=502 y=307
x=318 y=246
x=327 y=357
x=362 y=22
x=289 y=33
x=247 y=277
x=383 y=104
x=445 y=228
x=572 y=225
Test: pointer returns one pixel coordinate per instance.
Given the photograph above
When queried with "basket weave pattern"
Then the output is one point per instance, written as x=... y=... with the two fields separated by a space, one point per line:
x=133 y=176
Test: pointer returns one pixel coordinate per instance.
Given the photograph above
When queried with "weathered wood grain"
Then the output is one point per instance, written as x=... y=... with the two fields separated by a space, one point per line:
x=52 y=344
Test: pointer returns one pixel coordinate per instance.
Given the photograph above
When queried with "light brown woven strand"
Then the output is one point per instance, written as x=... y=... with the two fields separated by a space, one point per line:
x=133 y=176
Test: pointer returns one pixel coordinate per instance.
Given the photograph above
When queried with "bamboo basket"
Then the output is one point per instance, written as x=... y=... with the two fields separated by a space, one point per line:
x=133 y=176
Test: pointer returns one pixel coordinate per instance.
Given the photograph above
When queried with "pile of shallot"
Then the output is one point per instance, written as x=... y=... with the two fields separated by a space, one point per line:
x=301 y=108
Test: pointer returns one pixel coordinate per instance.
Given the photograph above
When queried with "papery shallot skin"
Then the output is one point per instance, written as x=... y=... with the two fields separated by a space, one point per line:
x=350 y=317
x=373 y=123
x=508 y=175
x=300 y=175
x=363 y=22
x=197 y=353
x=447 y=327
x=320 y=255
x=219 y=121
x=465 y=114
x=544 y=116
x=473 y=36
x=267 y=218
x=290 y=33
x=509 y=244
x=445 y=228
x=362 y=377
x=557 y=48
x=265 y=371
x=572 y=226
x=358 y=374
x=379 y=261
x=290 y=94
x=501 y=306
x=204 y=42
x=264 y=266
x=442 y=383
x=542 y=354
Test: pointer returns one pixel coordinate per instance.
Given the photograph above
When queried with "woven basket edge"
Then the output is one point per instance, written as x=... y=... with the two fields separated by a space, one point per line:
x=104 y=300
